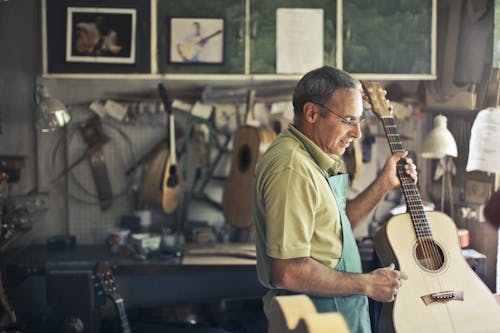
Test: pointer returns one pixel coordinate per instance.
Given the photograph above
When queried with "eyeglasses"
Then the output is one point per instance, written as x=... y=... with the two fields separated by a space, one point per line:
x=350 y=121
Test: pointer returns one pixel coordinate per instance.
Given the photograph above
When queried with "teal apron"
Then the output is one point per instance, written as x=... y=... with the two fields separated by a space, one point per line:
x=354 y=308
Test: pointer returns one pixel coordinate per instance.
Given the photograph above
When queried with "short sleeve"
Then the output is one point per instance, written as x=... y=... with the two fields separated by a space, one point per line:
x=290 y=199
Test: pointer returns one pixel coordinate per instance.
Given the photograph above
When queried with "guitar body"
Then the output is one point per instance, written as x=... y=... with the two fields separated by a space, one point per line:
x=171 y=181
x=153 y=191
x=170 y=194
x=249 y=144
x=297 y=314
x=151 y=187
x=477 y=312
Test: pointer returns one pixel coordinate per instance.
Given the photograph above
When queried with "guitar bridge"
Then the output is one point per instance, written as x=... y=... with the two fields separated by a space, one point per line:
x=443 y=297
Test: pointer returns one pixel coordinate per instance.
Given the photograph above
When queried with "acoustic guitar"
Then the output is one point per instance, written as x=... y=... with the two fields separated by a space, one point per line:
x=189 y=50
x=297 y=314
x=106 y=282
x=442 y=293
x=249 y=144
x=171 y=188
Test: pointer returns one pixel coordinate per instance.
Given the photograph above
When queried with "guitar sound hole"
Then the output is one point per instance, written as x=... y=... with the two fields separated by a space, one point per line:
x=429 y=255
x=244 y=158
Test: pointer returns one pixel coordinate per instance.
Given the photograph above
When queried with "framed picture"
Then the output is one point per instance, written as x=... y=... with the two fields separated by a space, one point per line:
x=197 y=40
x=101 y=35
x=97 y=36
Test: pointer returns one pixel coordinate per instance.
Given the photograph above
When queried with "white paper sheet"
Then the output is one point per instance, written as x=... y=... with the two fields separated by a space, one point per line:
x=202 y=110
x=484 y=147
x=299 y=40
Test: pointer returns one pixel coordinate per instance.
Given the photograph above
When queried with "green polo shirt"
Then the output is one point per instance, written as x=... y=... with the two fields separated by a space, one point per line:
x=294 y=211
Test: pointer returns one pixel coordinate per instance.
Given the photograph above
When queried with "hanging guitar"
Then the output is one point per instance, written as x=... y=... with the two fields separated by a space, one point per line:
x=442 y=293
x=249 y=144
x=106 y=282
x=171 y=187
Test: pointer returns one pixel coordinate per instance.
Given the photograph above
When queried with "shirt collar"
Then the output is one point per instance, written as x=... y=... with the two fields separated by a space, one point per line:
x=330 y=163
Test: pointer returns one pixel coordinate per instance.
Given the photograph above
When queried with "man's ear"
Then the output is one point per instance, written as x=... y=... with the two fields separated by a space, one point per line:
x=311 y=113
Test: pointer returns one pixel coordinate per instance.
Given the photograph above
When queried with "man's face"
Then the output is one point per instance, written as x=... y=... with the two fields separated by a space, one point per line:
x=333 y=135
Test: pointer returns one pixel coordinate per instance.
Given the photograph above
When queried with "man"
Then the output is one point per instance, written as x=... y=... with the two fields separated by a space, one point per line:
x=303 y=225
x=191 y=45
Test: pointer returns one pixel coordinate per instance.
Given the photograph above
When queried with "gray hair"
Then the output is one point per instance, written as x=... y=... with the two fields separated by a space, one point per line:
x=319 y=84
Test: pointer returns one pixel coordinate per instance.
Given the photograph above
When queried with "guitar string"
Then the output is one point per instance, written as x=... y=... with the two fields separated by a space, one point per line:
x=410 y=191
x=413 y=199
x=415 y=207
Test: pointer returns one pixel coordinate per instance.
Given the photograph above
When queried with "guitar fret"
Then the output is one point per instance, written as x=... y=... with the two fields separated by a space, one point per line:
x=409 y=189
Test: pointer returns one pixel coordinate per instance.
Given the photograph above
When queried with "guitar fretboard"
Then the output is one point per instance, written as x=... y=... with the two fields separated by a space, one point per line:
x=408 y=186
x=120 y=307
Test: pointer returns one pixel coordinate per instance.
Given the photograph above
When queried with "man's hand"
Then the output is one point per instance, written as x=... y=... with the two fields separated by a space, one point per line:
x=389 y=173
x=385 y=283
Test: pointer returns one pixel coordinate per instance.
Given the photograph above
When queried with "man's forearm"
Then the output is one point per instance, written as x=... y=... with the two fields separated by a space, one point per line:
x=308 y=276
x=358 y=208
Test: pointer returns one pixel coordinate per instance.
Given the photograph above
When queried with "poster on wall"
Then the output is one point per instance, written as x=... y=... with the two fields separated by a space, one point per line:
x=197 y=40
x=294 y=28
x=101 y=35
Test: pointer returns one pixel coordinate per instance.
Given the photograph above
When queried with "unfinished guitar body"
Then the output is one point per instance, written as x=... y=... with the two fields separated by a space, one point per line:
x=297 y=314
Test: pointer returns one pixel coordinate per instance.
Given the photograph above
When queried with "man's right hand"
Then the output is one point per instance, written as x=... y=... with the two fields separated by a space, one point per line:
x=385 y=283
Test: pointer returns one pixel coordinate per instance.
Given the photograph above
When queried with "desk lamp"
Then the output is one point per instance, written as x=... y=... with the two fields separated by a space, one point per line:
x=440 y=144
x=51 y=113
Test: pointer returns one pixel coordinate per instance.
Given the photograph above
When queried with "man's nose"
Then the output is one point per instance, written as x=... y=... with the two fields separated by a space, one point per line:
x=355 y=131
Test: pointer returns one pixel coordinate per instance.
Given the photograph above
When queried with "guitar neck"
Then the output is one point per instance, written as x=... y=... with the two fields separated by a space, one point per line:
x=408 y=186
x=173 y=154
x=122 y=314
x=109 y=287
x=204 y=39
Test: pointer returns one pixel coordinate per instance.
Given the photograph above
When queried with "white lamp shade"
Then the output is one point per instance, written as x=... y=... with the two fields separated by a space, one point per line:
x=439 y=142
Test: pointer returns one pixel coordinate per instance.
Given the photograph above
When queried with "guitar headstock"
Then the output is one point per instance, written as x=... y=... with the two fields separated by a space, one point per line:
x=375 y=95
x=106 y=281
x=167 y=103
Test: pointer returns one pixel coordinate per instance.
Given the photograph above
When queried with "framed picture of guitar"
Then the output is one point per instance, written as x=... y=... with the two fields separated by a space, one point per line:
x=196 y=40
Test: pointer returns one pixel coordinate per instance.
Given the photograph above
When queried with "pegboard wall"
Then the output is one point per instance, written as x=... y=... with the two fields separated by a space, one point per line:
x=131 y=141
x=127 y=143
